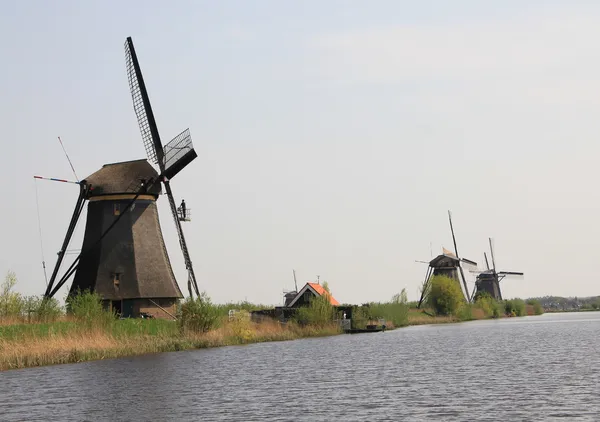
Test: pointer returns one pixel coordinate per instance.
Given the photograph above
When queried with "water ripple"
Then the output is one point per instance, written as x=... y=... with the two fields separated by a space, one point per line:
x=539 y=368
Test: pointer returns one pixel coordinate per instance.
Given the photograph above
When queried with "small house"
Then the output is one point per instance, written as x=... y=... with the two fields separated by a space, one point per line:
x=309 y=291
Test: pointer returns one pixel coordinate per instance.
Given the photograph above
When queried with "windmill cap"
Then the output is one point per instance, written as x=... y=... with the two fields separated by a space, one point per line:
x=125 y=177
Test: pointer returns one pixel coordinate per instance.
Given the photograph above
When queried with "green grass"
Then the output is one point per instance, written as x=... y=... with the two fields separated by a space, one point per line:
x=119 y=328
x=13 y=332
x=396 y=313
x=151 y=327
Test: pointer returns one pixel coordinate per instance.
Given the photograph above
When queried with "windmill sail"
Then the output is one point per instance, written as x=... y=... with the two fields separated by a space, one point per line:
x=178 y=154
x=141 y=105
x=464 y=281
x=171 y=159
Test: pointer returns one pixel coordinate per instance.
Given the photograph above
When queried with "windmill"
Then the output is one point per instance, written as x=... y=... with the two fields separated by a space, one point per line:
x=447 y=264
x=124 y=257
x=488 y=281
x=289 y=295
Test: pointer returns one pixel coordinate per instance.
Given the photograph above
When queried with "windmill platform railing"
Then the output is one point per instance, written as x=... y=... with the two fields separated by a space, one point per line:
x=184 y=216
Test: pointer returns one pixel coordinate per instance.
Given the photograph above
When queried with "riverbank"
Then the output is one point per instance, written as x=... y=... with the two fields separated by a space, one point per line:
x=68 y=341
x=28 y=345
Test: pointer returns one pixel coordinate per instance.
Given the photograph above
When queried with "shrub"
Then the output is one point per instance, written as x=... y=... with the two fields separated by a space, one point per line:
x=36 y=309
x=395 y=311
x=239 y=306
x=242 y=330
x=319 y=312
x=464 y=312
x=86 y=307
x=48 y=310
x=485 y=302
x=445 y=295
x=537 y=306
x=11 y=303
x=360 y=316
x=514 y=307
x=199 y=315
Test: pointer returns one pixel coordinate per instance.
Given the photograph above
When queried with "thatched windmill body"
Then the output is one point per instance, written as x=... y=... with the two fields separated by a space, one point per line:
x=488 y=281
x=123 y=257
x=447 y=264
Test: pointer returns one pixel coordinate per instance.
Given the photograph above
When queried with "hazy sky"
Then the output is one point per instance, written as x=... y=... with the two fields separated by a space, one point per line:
x=332 y=136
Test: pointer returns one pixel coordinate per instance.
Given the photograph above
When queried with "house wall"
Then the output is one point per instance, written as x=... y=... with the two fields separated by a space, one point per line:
x=145 y=305
x=131 y=308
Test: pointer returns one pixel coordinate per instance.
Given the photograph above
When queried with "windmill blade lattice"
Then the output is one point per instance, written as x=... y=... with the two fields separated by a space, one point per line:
x=171 y=159
x=141 y=105
x=179 y=152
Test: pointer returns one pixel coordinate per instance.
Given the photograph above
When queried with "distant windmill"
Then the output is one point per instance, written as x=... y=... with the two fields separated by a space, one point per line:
x=290 y=295
x=488 y=281
x=447 y=264
x=124 y=258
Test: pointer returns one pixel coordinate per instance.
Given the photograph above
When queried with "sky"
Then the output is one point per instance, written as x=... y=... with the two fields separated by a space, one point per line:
x=332 y=137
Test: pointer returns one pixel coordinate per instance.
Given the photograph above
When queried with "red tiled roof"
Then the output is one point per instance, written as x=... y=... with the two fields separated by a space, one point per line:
x=321 y=291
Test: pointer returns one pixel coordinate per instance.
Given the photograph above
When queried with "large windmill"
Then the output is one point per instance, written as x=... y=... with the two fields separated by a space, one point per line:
x=447 y=264
x=488 y=281
x=124 y=257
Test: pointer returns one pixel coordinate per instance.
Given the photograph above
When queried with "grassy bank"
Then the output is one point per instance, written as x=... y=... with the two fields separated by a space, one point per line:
x=27 y=345
x=69 y=341
x=36 y=332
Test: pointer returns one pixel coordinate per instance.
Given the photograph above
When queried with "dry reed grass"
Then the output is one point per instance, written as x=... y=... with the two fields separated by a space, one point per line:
x=79 y=343
x=416 y=317
x=478 y=313
x=92 y=343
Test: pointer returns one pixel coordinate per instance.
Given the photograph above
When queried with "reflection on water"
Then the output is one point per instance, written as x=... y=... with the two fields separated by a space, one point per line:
x=532 y=368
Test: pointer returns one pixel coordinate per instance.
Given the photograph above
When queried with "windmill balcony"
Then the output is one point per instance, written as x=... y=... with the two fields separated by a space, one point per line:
x=184 y=216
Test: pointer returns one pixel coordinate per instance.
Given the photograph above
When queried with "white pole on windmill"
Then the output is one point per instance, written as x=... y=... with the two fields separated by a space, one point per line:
x=295 y=282
x=68 y=159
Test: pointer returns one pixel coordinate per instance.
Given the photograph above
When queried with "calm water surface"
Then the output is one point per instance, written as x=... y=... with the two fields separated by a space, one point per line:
x=533 y=368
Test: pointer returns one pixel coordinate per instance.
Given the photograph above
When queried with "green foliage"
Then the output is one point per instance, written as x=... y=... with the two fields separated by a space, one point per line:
x=445 y=295
x=537 y=306
x=36 y=309
x=25 y=308
x=360 y=317
x=464 y=312
x=128 y=327
x=401 y=297
x=395 y=311
x=490 y=307
x=86 y=307
x=319 y=312
x=514 y=307
x=413 y=304
x=223 y=309
x=199 y=315
x=11 y=303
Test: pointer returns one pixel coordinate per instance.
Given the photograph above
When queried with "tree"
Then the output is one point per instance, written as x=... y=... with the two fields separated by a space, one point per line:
x=445 y=295
x=199 y=315
x=401 y=297
x=11 y=303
